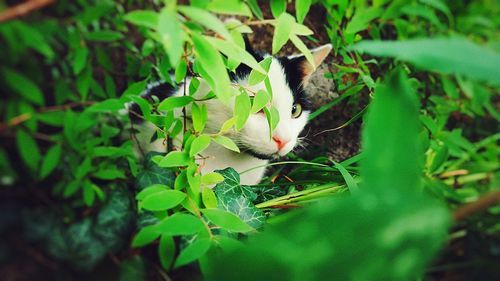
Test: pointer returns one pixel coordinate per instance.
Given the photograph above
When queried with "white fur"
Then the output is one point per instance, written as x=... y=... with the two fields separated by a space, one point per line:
x=255 y=133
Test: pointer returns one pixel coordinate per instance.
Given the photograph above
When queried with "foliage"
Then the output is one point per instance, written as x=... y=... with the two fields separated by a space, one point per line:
x=430 y=141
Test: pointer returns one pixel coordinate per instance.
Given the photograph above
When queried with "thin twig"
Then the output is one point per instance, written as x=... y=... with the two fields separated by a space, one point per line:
x=480 y=205
x=23 y=9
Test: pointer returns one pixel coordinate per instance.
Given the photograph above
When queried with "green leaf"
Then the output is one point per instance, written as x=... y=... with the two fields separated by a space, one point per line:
x=349 y=180
x=282 y=31
x=206 y=19
x=180 y=224
x=193 y=251
x=166 y=251
x=28 y=149
x=171 y=35
x=142 y=18
x=199 y=144
x=153 y=174
x=362 y=19
x=162 y=200
x=155 y=188
x=260 y=100
x=257 y=77
x=208 y=197
x=300 y=29
x=254 y=6
x=278 y=7
x=233 y=51
x=51 y=160
x=302 y=48
x=227 y=143
x=242 y=106
x=226 y=220
x=210 y=59
x=175 y=159
x=238 y=199
x=80 y=59
x=180 y=71
x=103 y=36
x=231 y=7
x=23 y=86
x=145 y=236
x=301 y=9
x=444 y=55
x=174 y=102
x=399 y=159
x=199 y=115
x=211 y=178
x=273 y=118
x=110 y=173
x=88 y=193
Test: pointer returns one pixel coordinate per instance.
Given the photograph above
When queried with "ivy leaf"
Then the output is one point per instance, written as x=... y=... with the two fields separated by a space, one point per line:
x=238 y=199
x=153 y=174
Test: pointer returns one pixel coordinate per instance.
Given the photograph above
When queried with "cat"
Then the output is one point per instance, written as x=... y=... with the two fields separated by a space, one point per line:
x=288 y=76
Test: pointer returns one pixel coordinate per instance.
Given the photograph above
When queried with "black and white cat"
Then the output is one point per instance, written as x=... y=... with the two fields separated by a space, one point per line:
x=288 y=77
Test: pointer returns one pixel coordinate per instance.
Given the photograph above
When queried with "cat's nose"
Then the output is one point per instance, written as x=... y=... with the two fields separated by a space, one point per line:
x=280 y=142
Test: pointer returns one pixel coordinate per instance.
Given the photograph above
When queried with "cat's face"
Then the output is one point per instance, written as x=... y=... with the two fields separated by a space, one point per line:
x=287 y=75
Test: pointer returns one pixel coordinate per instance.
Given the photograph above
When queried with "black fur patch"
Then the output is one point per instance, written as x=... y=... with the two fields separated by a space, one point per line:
x=294 y=76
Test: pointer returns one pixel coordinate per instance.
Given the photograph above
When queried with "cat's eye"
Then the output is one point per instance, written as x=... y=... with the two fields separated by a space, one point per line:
x=296 y=110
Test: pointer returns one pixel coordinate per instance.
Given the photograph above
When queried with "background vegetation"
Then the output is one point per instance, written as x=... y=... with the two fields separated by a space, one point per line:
x=420 y=201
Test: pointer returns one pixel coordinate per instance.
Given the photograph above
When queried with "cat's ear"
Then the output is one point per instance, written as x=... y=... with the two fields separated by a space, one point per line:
x=306 y=69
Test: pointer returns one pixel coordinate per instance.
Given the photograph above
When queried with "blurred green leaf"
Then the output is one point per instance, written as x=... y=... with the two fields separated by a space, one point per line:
x=277 y=7
x=444 y=55
x=282 y=31
x=28 y=149
x=143 y=18
x=171 y=34
x=23 y=86
x=206 y=19
x=51 y=160
x=103 y=36
x=301 y=9
x=231 y=7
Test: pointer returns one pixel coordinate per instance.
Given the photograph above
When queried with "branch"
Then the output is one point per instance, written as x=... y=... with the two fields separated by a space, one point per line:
x=481 y=204
x=23 y=9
